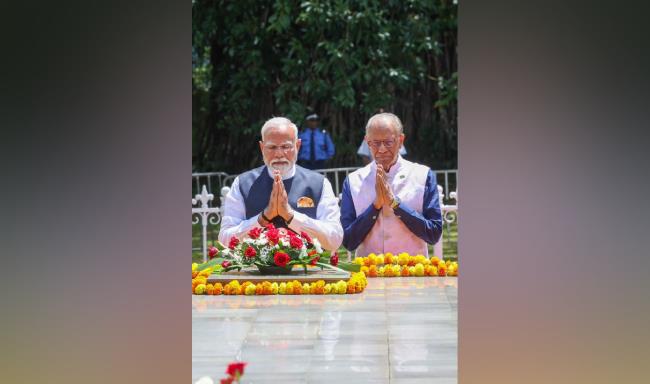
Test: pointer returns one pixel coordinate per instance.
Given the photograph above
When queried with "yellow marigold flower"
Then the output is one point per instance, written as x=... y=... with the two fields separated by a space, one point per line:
x=306 y=288
x=365 y=270
x=218 y=289
x=372 y=254
x=209 y=289
x=418 y=270
x=206 y=272
x=405 y=271
x=259 y=288
x=250 y=289
x=327 y=289
x=380 y=271
x=194 y=266
x=358 y=260
x=411 y=271
x=403 y=258
x=380 y=259
x=372 y=259
x=342 y=287
x=435 y=261
x=372 y=271
x=234 y=287
x=282 y=289
x=388 y=258
x=200 y=289
x=274 y=288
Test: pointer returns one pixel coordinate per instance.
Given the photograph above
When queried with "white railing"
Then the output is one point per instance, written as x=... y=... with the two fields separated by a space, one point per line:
x=449 y=215
x=448 y=179
x=207 y=215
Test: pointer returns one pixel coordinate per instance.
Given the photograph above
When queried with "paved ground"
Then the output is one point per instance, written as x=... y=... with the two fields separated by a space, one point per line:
x=400 y=330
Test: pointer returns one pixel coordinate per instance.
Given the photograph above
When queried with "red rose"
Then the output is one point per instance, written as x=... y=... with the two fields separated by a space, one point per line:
x=295 y=242
x=255 y=233
x=233 y=242
x=334 y=260
x=225 y=264
x=273 y=235
x=281 y=259
x=227 y=380
x=250 y=252
x=212 y=252
x=306 y=236
x=314 y=261
x=270 y=226
x=236 y=369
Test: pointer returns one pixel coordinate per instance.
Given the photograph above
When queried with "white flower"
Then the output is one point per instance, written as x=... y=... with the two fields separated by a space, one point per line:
x=284 y=242
x=265 y=255
x=317 y=246
x=261 y=241
x=204 y=380
x=226 y=252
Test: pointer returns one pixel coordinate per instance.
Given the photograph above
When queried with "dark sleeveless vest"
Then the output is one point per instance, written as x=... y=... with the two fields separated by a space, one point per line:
x=256 y=186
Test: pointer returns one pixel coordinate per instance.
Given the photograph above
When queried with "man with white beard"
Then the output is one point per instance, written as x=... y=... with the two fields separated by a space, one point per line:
x=282 y=193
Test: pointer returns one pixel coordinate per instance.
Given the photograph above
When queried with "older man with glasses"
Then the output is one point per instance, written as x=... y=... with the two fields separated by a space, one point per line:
x=282 y=193
x=390 y=205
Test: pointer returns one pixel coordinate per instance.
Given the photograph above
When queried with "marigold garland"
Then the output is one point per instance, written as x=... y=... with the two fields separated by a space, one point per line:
x=389 y=265
x=200 y=286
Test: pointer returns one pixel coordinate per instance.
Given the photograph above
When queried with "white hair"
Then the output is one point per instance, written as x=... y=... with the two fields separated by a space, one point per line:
x=389 y=118
x=277 y=122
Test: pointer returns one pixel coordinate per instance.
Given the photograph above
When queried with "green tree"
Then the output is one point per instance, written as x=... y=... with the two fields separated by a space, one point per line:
x=343 y=59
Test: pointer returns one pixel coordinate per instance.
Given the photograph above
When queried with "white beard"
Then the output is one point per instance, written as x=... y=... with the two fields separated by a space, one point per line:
x=284 y=168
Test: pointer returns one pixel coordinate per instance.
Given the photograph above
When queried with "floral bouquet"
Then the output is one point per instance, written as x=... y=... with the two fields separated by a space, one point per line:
x=274 y=251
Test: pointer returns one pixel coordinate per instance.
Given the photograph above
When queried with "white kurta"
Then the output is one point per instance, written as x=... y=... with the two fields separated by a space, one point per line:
x=390 y=234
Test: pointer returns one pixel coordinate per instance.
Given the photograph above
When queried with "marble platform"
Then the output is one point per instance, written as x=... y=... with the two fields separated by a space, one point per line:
x=400 y=330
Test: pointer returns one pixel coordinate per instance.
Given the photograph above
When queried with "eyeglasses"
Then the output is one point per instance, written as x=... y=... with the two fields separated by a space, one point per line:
x=377 y=143
x=285 y=147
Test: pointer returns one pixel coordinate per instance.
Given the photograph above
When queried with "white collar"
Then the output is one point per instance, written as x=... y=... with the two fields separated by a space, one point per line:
x=290 y=174
x=399 y=164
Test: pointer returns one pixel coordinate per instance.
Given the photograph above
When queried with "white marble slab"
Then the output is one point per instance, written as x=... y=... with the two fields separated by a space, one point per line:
x=400 y=330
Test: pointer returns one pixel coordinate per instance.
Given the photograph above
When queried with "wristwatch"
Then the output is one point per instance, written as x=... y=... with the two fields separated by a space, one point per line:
x=395 y=202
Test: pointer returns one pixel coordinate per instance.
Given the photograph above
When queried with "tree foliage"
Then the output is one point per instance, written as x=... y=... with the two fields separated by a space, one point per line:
x=343 y=59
